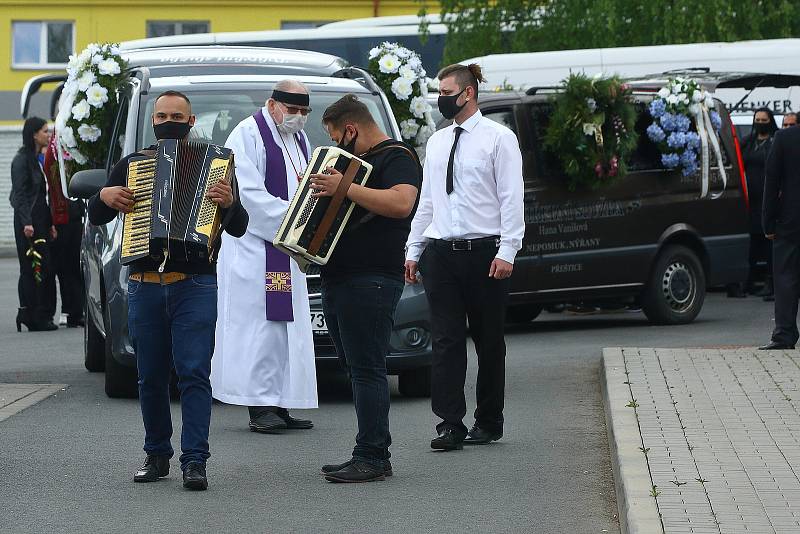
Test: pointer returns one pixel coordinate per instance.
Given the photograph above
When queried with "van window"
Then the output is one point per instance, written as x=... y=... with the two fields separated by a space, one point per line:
x=646 y=156
x=115 y=152
x=218 y=113
x=505 y=116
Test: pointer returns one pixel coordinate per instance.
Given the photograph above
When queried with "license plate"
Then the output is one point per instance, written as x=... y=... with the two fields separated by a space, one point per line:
x=318 y=324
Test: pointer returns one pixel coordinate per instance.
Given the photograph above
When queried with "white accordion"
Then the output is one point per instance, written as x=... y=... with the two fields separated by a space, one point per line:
x=313 y=225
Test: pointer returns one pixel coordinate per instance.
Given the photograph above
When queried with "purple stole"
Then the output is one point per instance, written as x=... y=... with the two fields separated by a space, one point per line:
x=279 y=272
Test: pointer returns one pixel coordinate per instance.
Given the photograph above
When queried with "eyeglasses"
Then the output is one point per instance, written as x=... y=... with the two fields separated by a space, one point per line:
x=294 y=110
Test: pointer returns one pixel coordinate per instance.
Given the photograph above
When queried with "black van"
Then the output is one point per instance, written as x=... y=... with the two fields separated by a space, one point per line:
x=647 y=240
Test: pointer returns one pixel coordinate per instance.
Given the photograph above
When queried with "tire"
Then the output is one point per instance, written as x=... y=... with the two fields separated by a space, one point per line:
x=522 y=314
x=415 y=383
x=94 y=346
x=121 y=380
x=677 y=287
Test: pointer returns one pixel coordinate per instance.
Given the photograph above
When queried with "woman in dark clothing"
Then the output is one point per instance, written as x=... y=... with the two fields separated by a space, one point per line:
x=755 y=151
x=32 y=222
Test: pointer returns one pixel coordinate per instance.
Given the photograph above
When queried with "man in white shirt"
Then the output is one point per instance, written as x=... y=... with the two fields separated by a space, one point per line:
x=470 y=225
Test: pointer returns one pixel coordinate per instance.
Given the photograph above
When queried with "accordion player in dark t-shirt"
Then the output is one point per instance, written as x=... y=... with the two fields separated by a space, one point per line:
x=363 y=279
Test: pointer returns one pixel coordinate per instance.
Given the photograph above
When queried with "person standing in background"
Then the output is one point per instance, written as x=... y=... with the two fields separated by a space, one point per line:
x=789 y=120
x=33 y=229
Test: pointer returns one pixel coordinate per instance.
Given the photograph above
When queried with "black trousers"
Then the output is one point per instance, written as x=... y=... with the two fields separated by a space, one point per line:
x=459 y=289
x=34 y=296
x=760 y=250
x=786 y=272
x=66 y=252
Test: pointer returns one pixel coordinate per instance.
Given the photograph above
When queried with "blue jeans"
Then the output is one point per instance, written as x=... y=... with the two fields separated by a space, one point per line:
x=174 y=325
x=359 y=311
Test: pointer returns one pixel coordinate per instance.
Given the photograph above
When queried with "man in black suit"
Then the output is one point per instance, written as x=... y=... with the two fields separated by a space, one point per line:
x=781 y=222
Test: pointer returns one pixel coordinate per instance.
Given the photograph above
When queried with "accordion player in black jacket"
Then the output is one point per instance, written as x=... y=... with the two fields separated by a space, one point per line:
x=172 y=313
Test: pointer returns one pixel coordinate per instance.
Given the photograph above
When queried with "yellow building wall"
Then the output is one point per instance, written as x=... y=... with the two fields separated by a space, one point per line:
x=124 y=20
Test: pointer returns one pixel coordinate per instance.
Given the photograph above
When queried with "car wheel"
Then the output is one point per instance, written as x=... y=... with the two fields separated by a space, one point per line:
x=94 y=347
x=415 y=383
x=522 y=314
x=121 y=380
x=677 y=287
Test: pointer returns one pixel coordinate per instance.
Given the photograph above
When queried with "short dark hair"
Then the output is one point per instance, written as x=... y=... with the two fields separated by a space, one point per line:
x=466 y=75
x=29 y=129
x=175 y=93
x=347 y=109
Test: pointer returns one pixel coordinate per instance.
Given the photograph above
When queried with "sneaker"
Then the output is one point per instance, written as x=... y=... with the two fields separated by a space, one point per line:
x=356 y=472
x=332 y=468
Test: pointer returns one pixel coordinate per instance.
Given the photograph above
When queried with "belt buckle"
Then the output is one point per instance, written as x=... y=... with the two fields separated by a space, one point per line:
x=462 y=245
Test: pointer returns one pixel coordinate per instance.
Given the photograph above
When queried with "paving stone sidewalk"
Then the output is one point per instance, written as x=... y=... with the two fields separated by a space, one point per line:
x=704 y=440
x=16 y=397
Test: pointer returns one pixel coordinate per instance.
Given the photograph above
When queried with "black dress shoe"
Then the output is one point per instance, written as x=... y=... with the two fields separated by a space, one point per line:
x=774 y=345
x=75 y=322
x=194 y=477
x=448 y=440
x=479 y=436
x=292 y=423
x=153 y=468
x=266 y=421
x=356 y=471
x=332 y=468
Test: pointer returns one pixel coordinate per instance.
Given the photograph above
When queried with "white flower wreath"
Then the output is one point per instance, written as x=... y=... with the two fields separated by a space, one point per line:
x=399 y=72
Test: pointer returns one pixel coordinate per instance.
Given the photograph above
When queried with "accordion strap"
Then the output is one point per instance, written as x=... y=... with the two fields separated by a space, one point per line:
x=333 y=207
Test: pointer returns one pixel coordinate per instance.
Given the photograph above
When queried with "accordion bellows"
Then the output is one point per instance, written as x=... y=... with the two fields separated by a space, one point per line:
x=312 y=225
x=171 y=215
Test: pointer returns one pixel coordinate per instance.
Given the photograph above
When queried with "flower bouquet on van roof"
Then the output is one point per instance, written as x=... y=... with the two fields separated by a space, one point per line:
x=398 y=71
x=591 y=130
x=685 y=123
x=88 y=104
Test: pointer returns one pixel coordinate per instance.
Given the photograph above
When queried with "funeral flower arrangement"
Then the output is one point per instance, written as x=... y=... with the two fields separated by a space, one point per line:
x=591 y=130
x=398 y=71
x=679 y=124
x=89 y=104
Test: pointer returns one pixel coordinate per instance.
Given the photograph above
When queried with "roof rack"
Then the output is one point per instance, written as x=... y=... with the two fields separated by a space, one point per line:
x=359 y=75
x=533 y=90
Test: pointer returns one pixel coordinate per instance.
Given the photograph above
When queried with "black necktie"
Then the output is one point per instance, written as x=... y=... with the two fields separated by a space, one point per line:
x=458 y=131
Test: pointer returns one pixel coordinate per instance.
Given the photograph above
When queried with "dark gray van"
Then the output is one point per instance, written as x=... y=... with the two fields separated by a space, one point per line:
x=646 y=241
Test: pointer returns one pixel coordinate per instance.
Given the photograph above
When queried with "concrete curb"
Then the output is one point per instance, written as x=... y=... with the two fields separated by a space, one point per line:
x=38 y=393
x=638 y=513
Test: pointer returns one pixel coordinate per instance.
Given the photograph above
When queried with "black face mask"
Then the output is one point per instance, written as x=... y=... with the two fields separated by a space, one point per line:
x=172 y=130
x=448 y=107
x=348 y=147
x=762 y=127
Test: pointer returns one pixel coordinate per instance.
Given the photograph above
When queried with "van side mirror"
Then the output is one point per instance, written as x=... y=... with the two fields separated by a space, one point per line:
x=86 y=184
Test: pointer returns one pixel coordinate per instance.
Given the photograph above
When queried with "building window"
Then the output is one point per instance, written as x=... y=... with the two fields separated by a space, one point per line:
x=41 y=44
x=163 y=28
x=302 y=24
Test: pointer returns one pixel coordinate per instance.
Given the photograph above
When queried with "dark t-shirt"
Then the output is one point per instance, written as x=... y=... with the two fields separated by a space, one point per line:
x=377 y=245
x=235 y=221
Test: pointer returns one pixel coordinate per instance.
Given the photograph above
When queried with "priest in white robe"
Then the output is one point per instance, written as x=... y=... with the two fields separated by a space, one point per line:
x=264 y=349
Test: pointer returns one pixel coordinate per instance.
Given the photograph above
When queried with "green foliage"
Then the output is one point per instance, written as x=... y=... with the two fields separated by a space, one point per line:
x=591 y=131
x=535 y=25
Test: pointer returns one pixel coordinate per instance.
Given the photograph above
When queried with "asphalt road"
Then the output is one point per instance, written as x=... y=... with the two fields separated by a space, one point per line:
x=66 y=464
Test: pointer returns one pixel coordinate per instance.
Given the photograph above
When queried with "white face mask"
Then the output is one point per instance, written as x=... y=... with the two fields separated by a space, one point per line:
x=292 y=124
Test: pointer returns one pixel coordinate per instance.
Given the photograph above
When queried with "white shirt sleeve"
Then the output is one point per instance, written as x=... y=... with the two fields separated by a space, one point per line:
x=415 y=245
x=510 y=192
x=266 y=211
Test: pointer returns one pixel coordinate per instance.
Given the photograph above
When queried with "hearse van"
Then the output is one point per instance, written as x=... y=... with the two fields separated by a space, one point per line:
x=647 y=240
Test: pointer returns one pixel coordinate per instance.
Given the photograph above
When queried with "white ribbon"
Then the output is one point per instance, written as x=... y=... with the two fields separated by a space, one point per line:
x=705 y=129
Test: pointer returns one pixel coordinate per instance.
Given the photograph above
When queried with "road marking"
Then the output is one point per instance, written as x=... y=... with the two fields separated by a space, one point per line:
x=16 y=397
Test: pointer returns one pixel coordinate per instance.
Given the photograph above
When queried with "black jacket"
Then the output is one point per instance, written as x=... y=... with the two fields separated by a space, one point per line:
x=754 y=154
x=234 y=222
x=29 y=193
x=781 y=206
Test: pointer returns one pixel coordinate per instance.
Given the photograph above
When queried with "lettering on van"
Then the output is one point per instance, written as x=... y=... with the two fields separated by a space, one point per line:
x=748 y=106
x=562 y=245
x=563 y=228
x=556 y=213
x=560 y=268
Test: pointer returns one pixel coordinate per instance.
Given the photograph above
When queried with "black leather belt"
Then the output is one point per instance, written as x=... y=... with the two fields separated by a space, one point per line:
x=481 y=243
